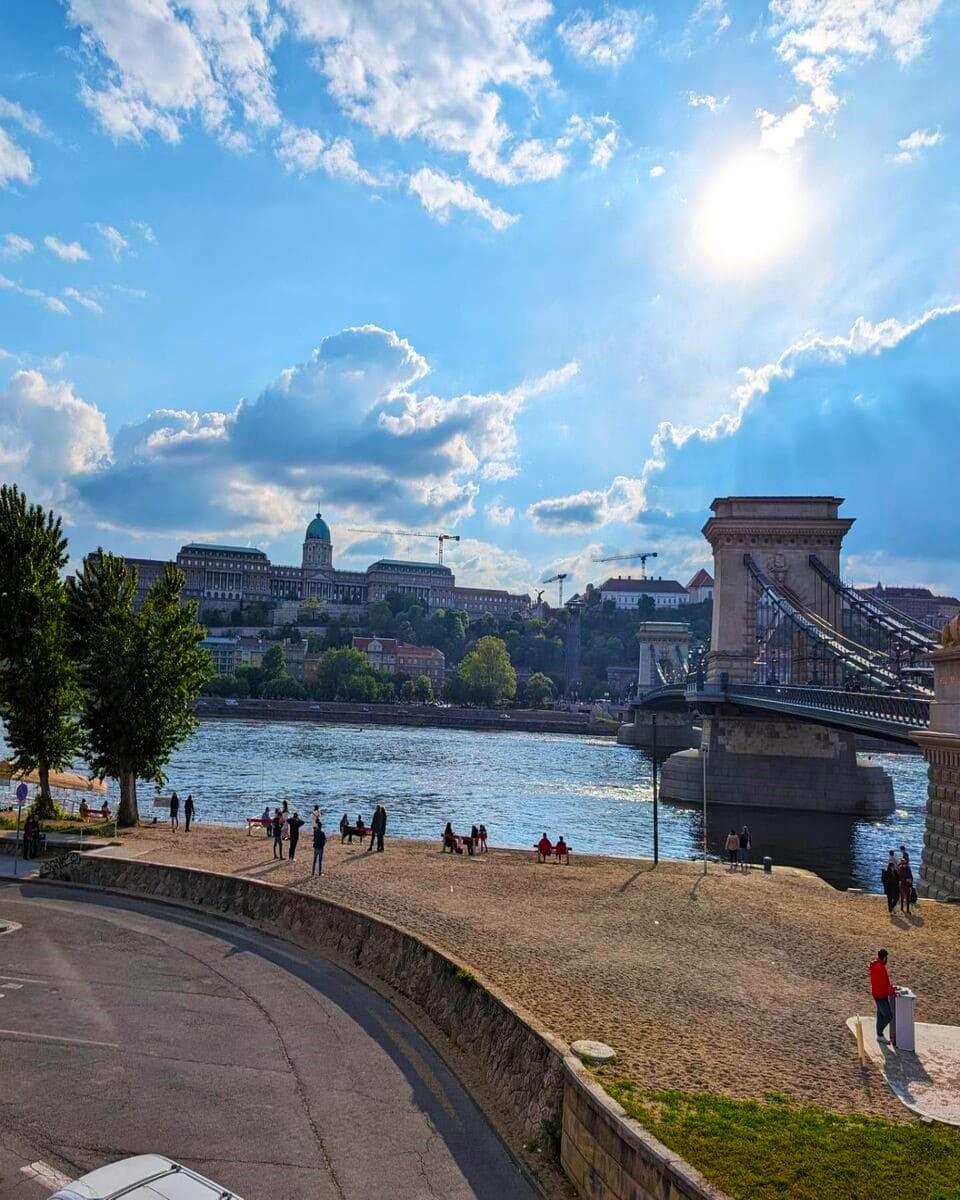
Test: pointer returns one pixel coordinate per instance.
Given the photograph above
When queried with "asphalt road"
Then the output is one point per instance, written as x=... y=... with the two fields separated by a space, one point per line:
x=128 y=1027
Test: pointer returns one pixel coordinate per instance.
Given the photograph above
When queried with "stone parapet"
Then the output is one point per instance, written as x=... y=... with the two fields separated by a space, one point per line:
x=675 y=731
x=940 y=868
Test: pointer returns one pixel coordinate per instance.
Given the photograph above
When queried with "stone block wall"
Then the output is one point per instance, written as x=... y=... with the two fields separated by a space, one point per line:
x=940 y=871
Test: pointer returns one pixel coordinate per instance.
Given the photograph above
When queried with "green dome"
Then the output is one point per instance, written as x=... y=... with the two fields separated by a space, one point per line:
x=318 y=528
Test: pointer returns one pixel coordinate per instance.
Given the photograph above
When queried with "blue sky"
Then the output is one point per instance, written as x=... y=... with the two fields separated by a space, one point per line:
x=551 y=276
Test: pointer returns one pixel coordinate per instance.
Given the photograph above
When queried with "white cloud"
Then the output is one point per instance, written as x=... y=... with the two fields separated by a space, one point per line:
x=500 y=513
x=16 y=166
x=781 y=134
x=606 y=41
x=145 y=232
x=117 y=244
x=604 y=148
x=14 y=246
x=29 y=121
x=706 y=100
x=441 y=195
x=84 y=300
x=600 y=132
x=820 y=38
x=305 y=151
x=657 y=171
x=921 y=139
x=70 y=252
x=623 y=500
x=49 y=302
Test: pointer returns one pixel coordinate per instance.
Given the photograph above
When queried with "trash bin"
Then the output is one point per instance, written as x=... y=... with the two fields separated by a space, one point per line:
x=903 y=1030
x=767 y=864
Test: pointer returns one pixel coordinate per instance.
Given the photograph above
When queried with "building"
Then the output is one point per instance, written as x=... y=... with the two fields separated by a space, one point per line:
x=629 y=593
x=920 y=603
x=400 y=658
x=700 y=587
x=225 y=652
x=220 y=576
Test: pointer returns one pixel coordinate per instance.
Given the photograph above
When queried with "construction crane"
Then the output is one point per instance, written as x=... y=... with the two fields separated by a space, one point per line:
x=625 y=557
x=558 y=579
x=441 y=537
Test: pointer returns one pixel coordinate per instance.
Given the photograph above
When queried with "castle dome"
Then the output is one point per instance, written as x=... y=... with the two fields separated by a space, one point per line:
x=318 y=528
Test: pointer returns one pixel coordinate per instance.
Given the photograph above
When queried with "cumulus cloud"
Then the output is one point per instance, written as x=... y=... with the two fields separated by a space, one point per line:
x=305 y=151
x=14 y=246
x=69 y=252
x=500 y=513
x=819 y=40
x=117 y=244
x=441 y=195
x=49 y=302
x=621 y=501
x=607 y=40
x=656 y=171
x=601 y=133
x=353 y=423
x=145 y=231
x=706 y=100
x=909 y=147
x=16 y=165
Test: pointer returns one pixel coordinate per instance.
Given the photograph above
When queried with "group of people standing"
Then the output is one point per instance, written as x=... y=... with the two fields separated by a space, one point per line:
x=189 y=811
x=284 y=826
x=897 y=880
x=738 y=846
x=377 y=829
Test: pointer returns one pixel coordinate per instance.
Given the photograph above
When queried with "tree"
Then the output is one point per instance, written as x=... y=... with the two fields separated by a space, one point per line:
x=140 y=673
x=408 y=691
x=488 y=672
x=424 y=689
x=39 y=695
x=539 y=690
x=336 y=667
x=284 y=687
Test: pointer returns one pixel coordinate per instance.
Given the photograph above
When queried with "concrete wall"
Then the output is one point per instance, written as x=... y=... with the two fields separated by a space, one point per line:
x=530 y=1074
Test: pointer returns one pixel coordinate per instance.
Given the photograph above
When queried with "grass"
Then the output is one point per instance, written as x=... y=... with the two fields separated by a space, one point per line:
x=776 y=1150
x=61 y=825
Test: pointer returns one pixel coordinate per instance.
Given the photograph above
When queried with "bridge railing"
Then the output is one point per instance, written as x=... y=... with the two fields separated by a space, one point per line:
x=910 y=711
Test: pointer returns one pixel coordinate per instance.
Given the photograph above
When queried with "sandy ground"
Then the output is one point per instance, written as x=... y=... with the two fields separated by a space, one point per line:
x=737 y=984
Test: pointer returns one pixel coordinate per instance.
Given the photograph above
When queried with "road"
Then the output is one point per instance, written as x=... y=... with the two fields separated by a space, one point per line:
x=128 y=1027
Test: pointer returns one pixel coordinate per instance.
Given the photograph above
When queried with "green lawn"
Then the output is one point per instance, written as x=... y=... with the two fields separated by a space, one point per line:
x=775 y=1150
x=61 y=825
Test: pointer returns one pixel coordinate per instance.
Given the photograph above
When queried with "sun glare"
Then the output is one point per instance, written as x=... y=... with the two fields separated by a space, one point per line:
x=750 y=213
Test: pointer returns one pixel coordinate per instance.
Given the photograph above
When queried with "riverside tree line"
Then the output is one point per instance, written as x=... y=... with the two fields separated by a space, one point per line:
x=81 y=672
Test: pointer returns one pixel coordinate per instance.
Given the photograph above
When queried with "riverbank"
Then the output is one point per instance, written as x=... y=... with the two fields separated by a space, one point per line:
x=411 y=715
x=738 y=985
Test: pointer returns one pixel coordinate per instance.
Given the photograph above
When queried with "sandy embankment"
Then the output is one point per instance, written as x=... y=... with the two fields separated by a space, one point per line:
x=730 y=983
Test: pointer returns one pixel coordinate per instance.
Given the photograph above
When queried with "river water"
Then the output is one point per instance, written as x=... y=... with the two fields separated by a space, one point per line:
x=597 y=794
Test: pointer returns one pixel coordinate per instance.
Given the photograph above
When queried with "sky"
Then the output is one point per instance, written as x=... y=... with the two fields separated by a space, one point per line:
x=548 y=276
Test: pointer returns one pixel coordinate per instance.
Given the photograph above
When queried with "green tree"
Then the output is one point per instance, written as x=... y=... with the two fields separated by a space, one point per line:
x=408 y=691
x=39 y=695
x=388 y=692
x=488 y=673
x=539 y=690
x=140 y=673
x=361 y=687
x=424 y=688
x=284 y=687
x=336 y=667
x=273 y=664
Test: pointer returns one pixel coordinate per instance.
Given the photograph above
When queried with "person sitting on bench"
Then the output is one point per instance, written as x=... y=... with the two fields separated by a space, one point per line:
x=449 y=838
x=560 y=850
x=544 y=848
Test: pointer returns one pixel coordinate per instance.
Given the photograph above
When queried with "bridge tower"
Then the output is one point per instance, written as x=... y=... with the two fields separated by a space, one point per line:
x=750 y=759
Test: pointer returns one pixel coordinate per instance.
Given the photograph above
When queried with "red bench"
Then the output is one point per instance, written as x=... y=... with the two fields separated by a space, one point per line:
x=544 y=854
x=252 y=821
x=466 y=838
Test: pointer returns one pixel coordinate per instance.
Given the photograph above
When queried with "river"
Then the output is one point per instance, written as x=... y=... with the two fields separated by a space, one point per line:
x=597 y=794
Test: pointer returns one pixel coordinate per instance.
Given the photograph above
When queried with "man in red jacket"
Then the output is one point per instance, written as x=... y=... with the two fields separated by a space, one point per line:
x=883 y=992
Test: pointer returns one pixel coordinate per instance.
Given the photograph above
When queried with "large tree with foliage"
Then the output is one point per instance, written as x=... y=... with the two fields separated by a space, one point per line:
x=423 y=688
x=488 y=673
x=140 y=672
x=538 y=690
x=38 y=685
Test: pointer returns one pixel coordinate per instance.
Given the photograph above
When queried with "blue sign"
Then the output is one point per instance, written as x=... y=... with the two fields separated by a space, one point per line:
x=22 y=792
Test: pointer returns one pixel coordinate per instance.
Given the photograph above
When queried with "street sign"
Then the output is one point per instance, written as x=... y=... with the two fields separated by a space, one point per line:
x=22 y=792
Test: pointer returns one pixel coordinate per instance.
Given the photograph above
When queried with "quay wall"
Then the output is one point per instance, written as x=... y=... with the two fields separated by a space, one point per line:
x=530 y=1074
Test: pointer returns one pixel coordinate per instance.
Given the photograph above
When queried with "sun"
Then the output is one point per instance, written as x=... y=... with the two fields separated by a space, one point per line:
x=751 y=213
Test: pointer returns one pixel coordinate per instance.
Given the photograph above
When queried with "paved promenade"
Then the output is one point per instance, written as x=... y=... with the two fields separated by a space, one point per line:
x=736 y=984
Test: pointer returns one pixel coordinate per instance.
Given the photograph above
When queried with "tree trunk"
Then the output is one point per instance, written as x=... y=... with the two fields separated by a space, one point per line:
x=128 y=814
x=44 y=807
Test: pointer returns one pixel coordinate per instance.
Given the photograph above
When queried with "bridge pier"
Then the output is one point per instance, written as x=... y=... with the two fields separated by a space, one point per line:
x=766 y=762
x=675 y=731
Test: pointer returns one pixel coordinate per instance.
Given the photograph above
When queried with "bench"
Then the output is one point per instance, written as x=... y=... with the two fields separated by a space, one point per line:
x=543 y=855
x=353 y=831
x=254 y=821
x=466 y=838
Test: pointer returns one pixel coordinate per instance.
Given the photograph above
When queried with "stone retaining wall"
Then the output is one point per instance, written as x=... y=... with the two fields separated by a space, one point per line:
x=530 y=1074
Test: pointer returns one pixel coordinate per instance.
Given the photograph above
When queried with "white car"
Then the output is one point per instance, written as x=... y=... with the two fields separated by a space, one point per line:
x=144 y=1177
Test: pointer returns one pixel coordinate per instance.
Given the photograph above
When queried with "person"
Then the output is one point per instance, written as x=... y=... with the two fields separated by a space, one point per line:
x=890 y=882
x=294 y=824
x=544 y=847
x=483 y=839
x=267 y=821
x=105 y=811
x=29 y=834
x=474 y=840
x=732 y=845
x=362 y=828
x=84 y=809
x=286 y=809
x=883 y=992
x=449 y=838
x=379 y=827
x=905 y=880
x=188 y=811
x=278 y=834
x=345 y=830
x=174 y=811
x=745 y=848
x=319 y=841
x=315 y=815
x=560 y=849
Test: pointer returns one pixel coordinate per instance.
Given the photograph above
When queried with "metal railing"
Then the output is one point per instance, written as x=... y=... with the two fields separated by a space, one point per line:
x=911 y=712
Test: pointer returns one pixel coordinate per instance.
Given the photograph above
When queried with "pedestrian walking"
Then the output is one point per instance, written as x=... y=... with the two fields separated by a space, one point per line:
x=278 y=834
x=174 y=811
x=745 y=847
x=319 y=841
x=890 y=881
x=345 y=829
x=905 y=878
x=732 y=845
x=294 y=825
x=883 y=992
x=188 y=812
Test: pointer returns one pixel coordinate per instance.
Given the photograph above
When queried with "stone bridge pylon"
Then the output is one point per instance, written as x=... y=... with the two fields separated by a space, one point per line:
x=754 y=760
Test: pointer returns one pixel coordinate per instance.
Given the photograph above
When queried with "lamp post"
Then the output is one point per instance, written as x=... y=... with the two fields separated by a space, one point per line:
x=656 y=792
x=704 y=753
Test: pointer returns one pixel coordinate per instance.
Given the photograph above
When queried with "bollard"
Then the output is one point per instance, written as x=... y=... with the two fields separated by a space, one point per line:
x=767 y=865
